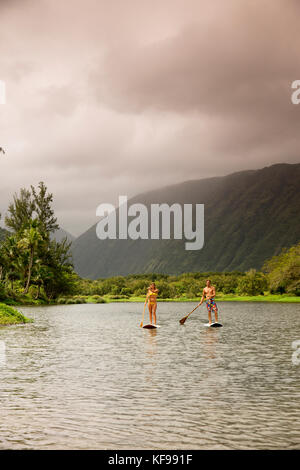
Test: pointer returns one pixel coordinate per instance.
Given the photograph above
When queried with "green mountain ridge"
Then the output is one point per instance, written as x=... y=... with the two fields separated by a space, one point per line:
x=249 y=217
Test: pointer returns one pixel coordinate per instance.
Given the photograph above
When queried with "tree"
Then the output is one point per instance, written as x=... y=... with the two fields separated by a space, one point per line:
x=9 y=260
x=29 y=255
x=253 y=283
x=283 y=271
x=32 y=205
x=31 y=238
x=42 y=205
x=20 y=211
x=58 y=273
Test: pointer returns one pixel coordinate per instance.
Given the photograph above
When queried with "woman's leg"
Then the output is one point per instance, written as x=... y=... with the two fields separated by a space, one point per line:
x=150 y=311
x=154 y=313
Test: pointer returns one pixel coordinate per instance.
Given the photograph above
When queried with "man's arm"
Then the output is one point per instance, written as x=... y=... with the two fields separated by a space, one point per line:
x=202 y=298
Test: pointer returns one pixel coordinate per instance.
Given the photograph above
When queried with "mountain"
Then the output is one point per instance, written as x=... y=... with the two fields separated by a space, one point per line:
x=60 y=234
x=249 y=217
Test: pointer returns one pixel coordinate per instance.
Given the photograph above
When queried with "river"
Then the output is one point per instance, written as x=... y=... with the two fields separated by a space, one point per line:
x=87 y=377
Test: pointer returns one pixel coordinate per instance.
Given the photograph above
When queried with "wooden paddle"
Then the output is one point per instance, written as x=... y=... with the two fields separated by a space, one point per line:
x=141 y=325
x=182 y=321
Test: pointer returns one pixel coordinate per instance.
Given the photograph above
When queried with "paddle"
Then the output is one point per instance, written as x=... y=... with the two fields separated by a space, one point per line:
x=141 y=325
x=182 y=321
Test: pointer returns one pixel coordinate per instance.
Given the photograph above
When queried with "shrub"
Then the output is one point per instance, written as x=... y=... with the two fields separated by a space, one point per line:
x=253 y=283
x=116 y=297
x=98 y=300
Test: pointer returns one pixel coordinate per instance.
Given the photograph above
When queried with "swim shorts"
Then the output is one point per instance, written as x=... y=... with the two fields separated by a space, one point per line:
x=211 y=305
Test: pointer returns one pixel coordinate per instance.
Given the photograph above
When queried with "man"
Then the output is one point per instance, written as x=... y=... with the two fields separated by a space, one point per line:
x=209 y=293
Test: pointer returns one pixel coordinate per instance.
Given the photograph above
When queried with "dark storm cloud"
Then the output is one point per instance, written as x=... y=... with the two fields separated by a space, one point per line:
x=224 y=64
x=98 y=92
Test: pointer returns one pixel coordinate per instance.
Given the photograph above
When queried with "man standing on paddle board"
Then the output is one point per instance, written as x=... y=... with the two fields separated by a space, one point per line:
x=209 y=293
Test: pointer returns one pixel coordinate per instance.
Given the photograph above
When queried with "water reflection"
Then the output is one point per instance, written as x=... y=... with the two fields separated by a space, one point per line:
x=211 y=339
x=150 y=337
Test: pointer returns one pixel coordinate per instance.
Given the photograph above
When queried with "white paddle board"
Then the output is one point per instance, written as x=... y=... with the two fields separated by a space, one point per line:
x=213 y=325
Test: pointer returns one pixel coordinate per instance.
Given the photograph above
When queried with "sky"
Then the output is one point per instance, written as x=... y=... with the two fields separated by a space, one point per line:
x=108 y=98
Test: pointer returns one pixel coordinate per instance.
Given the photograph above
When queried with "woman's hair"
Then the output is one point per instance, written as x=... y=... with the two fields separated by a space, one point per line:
x=152 y=284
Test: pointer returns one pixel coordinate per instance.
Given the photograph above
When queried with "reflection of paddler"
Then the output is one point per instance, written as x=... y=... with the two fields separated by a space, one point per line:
x=210 y=340
x=152 y=302
x=151 y=341
x=150 y=362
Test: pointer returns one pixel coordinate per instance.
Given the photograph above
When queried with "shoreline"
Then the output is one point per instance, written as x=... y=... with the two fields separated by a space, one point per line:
x=269 y=298
x=9 y=315
x=229 y=298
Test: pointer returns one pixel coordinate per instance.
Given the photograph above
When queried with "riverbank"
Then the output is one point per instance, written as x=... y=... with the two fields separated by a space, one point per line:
x=11 y=316
x=220 y=298
x=96 y=299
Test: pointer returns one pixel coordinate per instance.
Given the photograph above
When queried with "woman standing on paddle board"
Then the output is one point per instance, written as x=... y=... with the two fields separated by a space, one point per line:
x=152 y=303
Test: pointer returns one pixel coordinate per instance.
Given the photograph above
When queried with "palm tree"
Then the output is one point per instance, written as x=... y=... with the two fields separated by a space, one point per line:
x=9 y=259
x=30 y=240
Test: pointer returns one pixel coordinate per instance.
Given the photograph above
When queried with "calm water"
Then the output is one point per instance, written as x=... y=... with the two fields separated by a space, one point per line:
x=86 y=376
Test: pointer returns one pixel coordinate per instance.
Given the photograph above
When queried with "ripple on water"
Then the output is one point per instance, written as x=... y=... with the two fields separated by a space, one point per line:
x=85 y=376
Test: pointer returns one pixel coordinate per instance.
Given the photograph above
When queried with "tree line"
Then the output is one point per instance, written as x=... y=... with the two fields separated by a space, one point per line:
x=279 y=275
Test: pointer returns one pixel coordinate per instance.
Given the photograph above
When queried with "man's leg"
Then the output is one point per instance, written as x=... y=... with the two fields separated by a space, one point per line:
x=209 y=313
x=216 y=313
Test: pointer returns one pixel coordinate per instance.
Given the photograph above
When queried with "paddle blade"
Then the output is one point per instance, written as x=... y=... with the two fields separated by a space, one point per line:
x=182 y=321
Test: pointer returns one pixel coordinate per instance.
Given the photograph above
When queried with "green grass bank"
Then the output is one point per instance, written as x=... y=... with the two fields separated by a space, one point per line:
x=11 y=316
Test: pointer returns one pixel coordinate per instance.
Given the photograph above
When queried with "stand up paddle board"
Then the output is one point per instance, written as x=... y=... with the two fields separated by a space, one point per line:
x=150 y=326
x=213 y=325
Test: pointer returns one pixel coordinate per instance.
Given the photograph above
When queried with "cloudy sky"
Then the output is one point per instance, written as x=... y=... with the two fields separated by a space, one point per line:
x=109 y=97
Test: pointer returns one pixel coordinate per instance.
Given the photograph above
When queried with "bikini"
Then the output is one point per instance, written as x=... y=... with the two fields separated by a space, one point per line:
x=155 y=294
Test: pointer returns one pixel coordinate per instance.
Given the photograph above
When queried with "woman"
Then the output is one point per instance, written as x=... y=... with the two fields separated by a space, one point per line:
x=152 y=304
